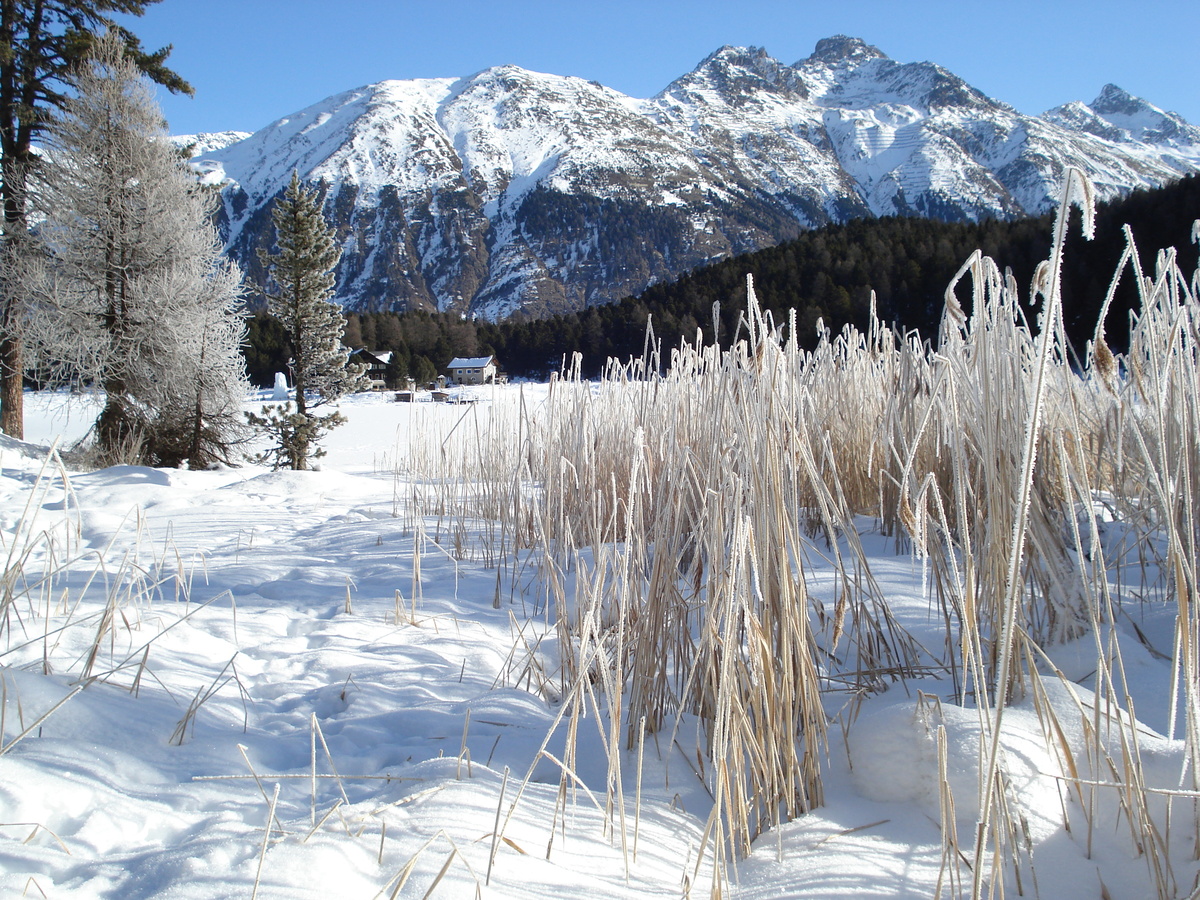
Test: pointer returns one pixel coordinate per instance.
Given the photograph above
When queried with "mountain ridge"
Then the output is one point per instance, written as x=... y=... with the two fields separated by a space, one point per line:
x=511 y=192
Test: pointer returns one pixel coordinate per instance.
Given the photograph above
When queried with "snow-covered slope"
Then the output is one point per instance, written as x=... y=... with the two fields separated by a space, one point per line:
x=207 y=142
x=517 y=192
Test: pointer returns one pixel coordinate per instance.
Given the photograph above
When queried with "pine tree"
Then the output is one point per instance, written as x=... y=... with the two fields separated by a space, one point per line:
x=133 y=292
x=41 y=41
x=299 y=295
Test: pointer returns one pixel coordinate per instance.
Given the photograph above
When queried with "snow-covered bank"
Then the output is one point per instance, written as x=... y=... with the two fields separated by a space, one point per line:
x=259 y=618
x=293 y=687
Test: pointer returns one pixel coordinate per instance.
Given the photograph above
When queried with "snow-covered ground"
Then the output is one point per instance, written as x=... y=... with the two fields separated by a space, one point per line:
x=242 y=683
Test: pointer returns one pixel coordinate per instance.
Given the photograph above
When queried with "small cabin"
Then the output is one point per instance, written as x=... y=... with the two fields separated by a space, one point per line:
x=376 y=363
x=474 y=370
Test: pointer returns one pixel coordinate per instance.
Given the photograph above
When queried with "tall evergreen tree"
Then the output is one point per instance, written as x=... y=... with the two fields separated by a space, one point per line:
x=299 y=293
x=41 y=41
x=134 y=293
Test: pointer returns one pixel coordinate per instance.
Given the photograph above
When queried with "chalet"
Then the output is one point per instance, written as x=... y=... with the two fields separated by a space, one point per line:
x=474 y=370
x=376 y=363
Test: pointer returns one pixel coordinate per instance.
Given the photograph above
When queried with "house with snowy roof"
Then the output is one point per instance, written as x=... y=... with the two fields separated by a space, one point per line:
x=474 y=370
x=376 y=363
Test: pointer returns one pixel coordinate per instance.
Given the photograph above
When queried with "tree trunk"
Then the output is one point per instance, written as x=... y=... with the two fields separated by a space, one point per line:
x=299 y=379
x=12 y=398
x=12 y=355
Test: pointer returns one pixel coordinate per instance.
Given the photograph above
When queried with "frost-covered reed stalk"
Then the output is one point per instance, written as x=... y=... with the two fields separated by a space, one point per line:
x=1028 y=453
x=1161 y=396
x=1025 y=514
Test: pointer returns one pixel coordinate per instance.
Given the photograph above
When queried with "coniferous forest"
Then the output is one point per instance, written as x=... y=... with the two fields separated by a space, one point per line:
x=826 y=275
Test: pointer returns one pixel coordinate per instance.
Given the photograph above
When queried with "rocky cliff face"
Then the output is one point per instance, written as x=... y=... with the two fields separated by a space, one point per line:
x=513 y=192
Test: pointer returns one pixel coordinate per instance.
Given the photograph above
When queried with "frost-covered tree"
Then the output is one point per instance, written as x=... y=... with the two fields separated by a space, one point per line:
x=134 y=294
x=299 y=292
x=41 y=41
x=199 y=415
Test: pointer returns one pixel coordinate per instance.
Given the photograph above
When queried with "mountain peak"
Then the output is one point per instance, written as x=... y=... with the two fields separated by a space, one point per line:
x=1114 y=99
x=738 y=73
x=729 y=54
x=840 y=48
x=1139 y=120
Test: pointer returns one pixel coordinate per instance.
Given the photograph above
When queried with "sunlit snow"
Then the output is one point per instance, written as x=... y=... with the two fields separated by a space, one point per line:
x=235 y=641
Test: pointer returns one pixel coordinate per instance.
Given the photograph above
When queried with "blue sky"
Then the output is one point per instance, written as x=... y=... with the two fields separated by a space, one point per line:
x=253 y=61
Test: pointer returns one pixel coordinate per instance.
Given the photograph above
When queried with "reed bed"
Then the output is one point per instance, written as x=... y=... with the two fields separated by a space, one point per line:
x=674 y=506
x=463 y=481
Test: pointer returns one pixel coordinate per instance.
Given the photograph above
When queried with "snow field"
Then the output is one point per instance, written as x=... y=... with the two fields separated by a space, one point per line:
x=419 y=708
x=280 y=606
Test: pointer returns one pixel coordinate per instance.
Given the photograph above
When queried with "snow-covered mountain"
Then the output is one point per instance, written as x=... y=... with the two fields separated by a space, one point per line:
x=517 y=192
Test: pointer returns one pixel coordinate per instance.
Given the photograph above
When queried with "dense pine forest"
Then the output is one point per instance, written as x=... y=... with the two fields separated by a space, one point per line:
x=826 y=275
